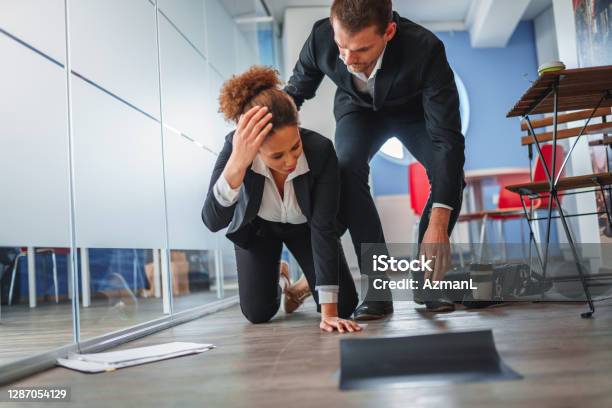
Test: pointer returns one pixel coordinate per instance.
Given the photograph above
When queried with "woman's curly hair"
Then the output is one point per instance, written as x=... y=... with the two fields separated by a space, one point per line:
x=258 y=86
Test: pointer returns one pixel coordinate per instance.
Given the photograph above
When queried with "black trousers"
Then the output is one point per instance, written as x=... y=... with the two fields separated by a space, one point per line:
x=359 y=136
x=258 y=270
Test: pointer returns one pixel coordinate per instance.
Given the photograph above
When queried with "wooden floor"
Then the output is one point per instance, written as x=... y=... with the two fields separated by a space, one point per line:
x=566 y=362
x=26 y=331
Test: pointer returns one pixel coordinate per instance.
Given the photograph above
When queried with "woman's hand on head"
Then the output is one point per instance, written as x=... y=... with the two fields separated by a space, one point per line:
x=253 y=127
x=332 y=323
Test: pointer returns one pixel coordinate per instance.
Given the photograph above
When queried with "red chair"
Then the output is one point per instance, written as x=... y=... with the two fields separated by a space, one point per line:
x=509 y=205
x=418 y=182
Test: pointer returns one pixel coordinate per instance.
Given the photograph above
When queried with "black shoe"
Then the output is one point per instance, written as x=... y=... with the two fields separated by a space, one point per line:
x=439 y=305
x=479 y=304
x=371 y=310
x=470 y=303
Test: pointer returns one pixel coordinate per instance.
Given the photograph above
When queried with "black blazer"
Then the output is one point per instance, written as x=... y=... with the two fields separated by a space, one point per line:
x=415 y=80
x=317 y=193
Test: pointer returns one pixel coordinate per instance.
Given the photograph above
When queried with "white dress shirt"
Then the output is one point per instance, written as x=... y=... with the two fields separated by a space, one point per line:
x=363 y=83
x=367 y=85
x=275 y=208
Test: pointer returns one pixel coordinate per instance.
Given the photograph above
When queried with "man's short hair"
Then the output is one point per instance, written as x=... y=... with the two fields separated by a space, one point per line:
x=356 y=15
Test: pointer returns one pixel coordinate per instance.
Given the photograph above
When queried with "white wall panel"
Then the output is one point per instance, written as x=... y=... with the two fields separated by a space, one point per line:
x=546 y=37
x=184 y=84
x=217 y=128
x=188 y=171
x=586 y=228
x=34 y=204
x=246 y=53
x=39 y=23
x=188 y=16
x=220 y=32
x=316 y=114
x=118 y=165
x=113 y=43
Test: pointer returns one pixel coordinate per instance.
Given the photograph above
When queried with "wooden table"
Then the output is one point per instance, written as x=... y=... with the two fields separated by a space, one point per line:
x=573 y=89
x=606 y=141
x=475 y=181
x=564 y=184
x=554 y=92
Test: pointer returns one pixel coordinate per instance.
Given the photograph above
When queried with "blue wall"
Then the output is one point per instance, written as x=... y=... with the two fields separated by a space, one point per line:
x=102 y=263
x=495 y=79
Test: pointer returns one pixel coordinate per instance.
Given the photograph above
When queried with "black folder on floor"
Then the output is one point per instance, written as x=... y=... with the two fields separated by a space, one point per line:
x=437 y=358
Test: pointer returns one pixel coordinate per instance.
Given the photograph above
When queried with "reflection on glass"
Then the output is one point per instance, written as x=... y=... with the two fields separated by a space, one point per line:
x=230 y=274
x=35 y=314
x=118 y=290
x=122 y=197
x=35 y=299
x=193 y=278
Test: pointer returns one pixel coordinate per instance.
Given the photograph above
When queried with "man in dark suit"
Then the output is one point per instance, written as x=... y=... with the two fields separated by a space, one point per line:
x=393 y=79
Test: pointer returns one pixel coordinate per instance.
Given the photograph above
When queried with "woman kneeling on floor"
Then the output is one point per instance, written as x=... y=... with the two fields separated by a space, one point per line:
x=276 y=183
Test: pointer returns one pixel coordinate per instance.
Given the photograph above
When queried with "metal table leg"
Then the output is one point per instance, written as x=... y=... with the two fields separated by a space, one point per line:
x=553 y=180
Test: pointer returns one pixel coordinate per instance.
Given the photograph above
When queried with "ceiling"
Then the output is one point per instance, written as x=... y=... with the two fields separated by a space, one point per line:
x=431 y=11
x=490 y=23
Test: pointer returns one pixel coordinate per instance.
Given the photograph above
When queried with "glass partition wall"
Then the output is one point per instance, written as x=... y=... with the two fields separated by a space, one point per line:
x=108 y=135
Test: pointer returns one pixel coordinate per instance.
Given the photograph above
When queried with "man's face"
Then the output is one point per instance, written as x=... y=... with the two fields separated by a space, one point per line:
x=361 y=50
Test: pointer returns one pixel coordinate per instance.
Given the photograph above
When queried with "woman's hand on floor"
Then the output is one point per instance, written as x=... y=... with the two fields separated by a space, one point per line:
x=331 y=323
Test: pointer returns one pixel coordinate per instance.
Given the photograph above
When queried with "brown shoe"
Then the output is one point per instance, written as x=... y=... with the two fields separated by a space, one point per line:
x=296 y=295
x=284 y=277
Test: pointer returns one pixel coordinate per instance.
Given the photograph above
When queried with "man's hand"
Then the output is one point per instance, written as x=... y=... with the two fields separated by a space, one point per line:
x=436 y=243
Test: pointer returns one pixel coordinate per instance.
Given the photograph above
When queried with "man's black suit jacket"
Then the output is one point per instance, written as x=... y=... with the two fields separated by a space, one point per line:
x=317 y=193
x=415 y=81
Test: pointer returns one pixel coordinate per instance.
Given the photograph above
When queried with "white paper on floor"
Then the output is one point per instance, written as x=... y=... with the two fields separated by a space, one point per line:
x=113 y=360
